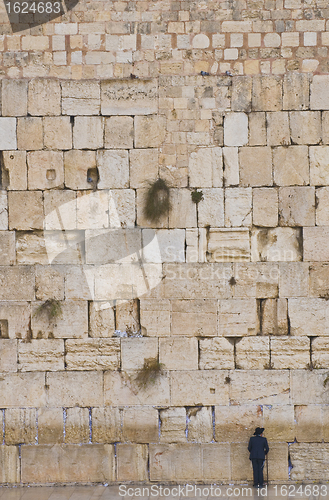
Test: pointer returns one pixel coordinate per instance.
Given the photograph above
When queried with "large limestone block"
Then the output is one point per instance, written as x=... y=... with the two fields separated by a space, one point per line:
x=277 y=462
x=50 y=425
x=175 y=462
x=241 y=93
x=3 y=210
x=305 y=127
x=319 y=95
x=296 y=94
x=150 y=131
x=278 y=132
x=60 y=247
x=322 y=206
x=275 y=245
x=173 y=425
x=195 y=388
x=20 y=426
x=7 y=248
x=200 y=424
x=75 y=389
x=279 y=422
x=241 y=468
x=290 y=166
x=127 y=316
x=319 y=165
x=76 y=166
x=29 y=133
x=131 y=97
x=155 y=317
x=253 y=353
x=257 y=129
x=15 y=164
x=80 y=97
x=60 y=210
x=16 y=319
x=31 y=249
x=92 y=211
x=92 y=354
x=274 y=317
x=309 y=461
x=113 y=168
x=17 y=283
x=216 y=354
x=315 y=243
x=57 y=132
x=23 y=390
x=14 y=97
x=106 y=425
x=8 y=355
x=308 y=316
x=72 y=322
x=10 y=467
x=87 y=463
x=144 y=167
x=122 y=210
x=121 y=389
x=119 y=132
x=206 y=168
x=101 y=319
x=183 y=212
x=231 y=166
x=325 y=422
x=211 y=208
x=260 y=386
x=297 y=206
x=237 y=317
x=25 y=210
x=44 y=97
x=294 y=279
x=88 y=132
x=132 y=461
x=49 y=283
x=163 y=245
x=77 y=425
x=265 y=207
x=179 y=353
x=228 y=245
x=140 y=425
x=8 y=135
x=292 y=353
x=309 y=426
x=236 y=423
x=267 y=93
x=196 y=244
x=45 y=170
x=255 y=166
x=194 y=318
x=236 y=129
x=238 y=207
x=134 y=351
x=316 y=389
x=320 y=352
x=41 y=355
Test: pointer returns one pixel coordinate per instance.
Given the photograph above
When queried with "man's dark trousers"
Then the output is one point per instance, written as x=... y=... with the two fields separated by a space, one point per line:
x=258 y=466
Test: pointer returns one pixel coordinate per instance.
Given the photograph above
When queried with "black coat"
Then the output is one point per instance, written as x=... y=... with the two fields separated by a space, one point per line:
x=258 y=447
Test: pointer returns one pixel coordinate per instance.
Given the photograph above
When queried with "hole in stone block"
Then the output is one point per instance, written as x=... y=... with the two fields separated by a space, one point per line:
x=93 y=177
x=51 y=174
x=72 y=120
x=212 y=390
x=4 y=330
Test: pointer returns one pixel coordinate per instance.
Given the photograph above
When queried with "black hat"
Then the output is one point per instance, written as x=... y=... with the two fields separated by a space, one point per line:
x=258 y=431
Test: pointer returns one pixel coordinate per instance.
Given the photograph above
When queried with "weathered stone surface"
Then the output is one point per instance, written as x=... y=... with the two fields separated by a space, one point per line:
x=132 y=462
x=44 y=97
x=101 y=318
x=293 y=353
x=257 y=129
x=278 y=132
x=106 y=425
x=20 y=426
x=60 y=210
x=92 y=354
x=194 y=388
x=238 y=207
x=253 y=353
x=200 y=424
x=183 y=213
x=180 y=462
x=294 y=279
x=122 y=210
x=25 y=210
x=16 y=316
x=267 y=93
x=315 y=243
x=305 y=127
x=137 y=97
x=235 y=423
x=319 y=165
x=181 y=353
x=8 y=354
x=23 y=390
x=72 y=322
x=8 y=136
x=29 y=133
x=57 y=132
x=88 y=132
x=135 y=350
x=31 y=248
x=143 y=167
x=119 y=132
x=296 y=91
x=237 y=317
x=236 y=129
x=76 y=166
x=319 y=96
x=241 y=93
x=113 y=169
x=314 y=381
x=49 y=282
x=308 y=424
x=3 y=210
x=297 y=206
x=228 y=245
x=274 y=314
x=241 y=469
x=41 y=355
x=278 y=244
x=17 y=283
x=92 y=211
x=216 y=354
x=259 y=386
x=290 y=166
x=75 y=389
x=80 y=97
x=277 y=462
x=7 y=248
x=173 y=425
x=320 y=352
x=15 y=164
x=265 y=207
x=314 y=319
x=155 y=317
x=194 y=318
x=89 y=463
x=149 y=131
x=10 y=468
x=309 y=461
x=163 y=245
x=206 y=168
x=127 y=316
x=211 y=208
x=140 y=425
x=231 y=164
x=279 y=422
x=255 y=166
x=322 y=206
x=45 y=170
x=77 y=425
x=14 y=98
x=50 y=425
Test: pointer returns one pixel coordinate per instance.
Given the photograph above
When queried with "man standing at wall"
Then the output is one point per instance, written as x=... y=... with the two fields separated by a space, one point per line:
x=258 y=448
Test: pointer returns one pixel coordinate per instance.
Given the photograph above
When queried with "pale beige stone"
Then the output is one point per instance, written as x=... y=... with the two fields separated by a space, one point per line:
x=17 y=284
x=264 y=387
x=237 y=317
x=228 y=245
x=76 y=166
x=49 y=282
x=194 y=318
x=150 y=131
x=104 y=246
x=31 y=249
x=155 y=317
x=291 y=166
x=278 y=132
x=236 y=129
x=322 y=206
x=77 y=425
x=195 y=388
x=238 y=207
x=8 y=355
x=236 y=423
x=7 y=248
x=265 y=207
x=279 y=422
x=3 y=210
x=20 y=426
x=297 y=206
x=44 y=97
x=144 y=167
x=241 y=469
x=319 y=165
x=10 y=469
x=294 y=279
x=253 y=353
x=175 y=462
x=106 y=425
x=318 y=274
x=278 y=244
x=23 y=390
x=41 y=355
x=60 y=210
x=16 y=319
x=119 y=132
x=134 y=351
x=231 y=166
x=200 y=424
x=183 y=212
x=132 y=462
x=140 y=425
x=315 y=243
x=305 y=127
x=179 y=353
x=255 y=166
x=70 y=389
x=25 y=210
x=127 y=316
x=29 y=133
x=290 y=352
x=14 y=97
x=296 y=90
x=163 y=245
x=80 y=97
x=319 y=96
x=325 y=127
x=309 y=461
x=274 y=313
x=8 y=133
x=267 y=93
x=216 y=354
x=88 y=132
x=211 y=208
x=92 y=211
x=173 y=425
x=14 y=163
x=122 y=208
x=313 y=320
x=257 y=129
x=314 y=381
x=101 y=318
x=113 y=167
x=62 y=247
x=92 y=354
x=309 y=428
x=136 y=97
x=320 y=352
x=88 y=463
x=71 y=322
x=241 y=93
x=57 y=132
x=206 y=168
x=277 y=462
x=45 y=170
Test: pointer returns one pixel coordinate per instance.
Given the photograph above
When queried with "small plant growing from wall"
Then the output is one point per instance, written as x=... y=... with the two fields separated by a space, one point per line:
x=157 y=201
x=196 y=196
x=52 y=308
x=149 y=373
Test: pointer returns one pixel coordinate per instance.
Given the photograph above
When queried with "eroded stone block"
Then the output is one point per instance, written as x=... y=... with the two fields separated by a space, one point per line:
x=194 y=318
x=296 y=93
x=200 y=424
x=313 y=319
x=45 y=170
x=297 y=206
x=309 y=461
x=44 y=97
x=315 y=244
x=140 y=425
x=173 y=425
x=150 y=131
x=255 y=166
x=260 y=387
x=278 y=132
x=216 y=354
x=138 y=97
x=80 y=97
x=20 y=426
x=15 y=164
x=237 y=317
x=29 y=133
x=92 y=354
x=253 y=353
x=314 y=381
x=70 y=322
x=228 y=245
x=57 y=132
x=278 y=244
x=10 y=469
x=143 y=167
x=305 y=127
x=119 y=132
x=238 y=207
x=206 y=168
x=290 y=352
x=279 y=422
x=265 y=207
x=236 y=423
x=179 y=353
x=76 y=166
x=88 y=132
x=319 y=96
x=14 y=97
x=41 y=355
x=106 y=425
x=267 y=93
x=70 y=389
x=195 y=388
x=23 y=390
x=290 y=166
x=25 y=210
x=77 y=425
